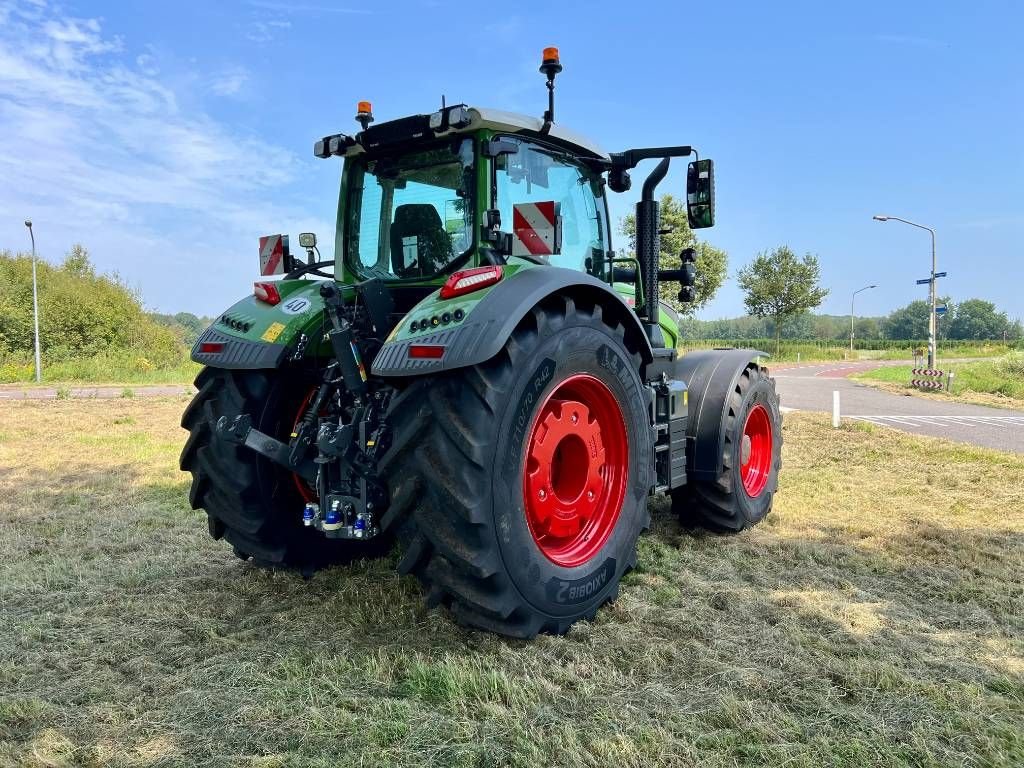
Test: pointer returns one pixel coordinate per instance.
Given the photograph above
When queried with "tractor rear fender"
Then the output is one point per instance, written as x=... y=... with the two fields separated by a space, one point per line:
x=710 y=376
x=483 y=333
x=255 y=334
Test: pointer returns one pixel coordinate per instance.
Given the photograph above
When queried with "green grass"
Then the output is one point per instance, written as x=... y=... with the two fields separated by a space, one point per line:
x=875 y=618
x=999 y=381
x=119 y=368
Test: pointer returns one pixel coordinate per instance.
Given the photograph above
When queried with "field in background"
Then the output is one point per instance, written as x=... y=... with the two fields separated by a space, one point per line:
x=998 y=382
x=876 y=618
x=131 y=368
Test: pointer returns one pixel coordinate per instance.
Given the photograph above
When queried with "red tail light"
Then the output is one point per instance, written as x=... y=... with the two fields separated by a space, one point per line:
x=426 y=351
x=266 y=292
x=469 y=280
x=211 y=347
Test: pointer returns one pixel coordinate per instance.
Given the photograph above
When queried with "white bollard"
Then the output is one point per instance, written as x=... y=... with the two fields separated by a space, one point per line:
x=835 y=408
x=798 y=357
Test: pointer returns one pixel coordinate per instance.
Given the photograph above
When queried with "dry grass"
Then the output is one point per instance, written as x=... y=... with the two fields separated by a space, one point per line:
x=877 y=618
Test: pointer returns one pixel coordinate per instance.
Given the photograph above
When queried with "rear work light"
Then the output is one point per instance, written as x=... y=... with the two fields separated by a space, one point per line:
x=211 y=347
x=266 y=292
x=469 y=280
x=426 y=351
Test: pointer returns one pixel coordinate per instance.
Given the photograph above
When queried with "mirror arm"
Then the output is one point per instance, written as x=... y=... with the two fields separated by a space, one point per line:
x=631 y=157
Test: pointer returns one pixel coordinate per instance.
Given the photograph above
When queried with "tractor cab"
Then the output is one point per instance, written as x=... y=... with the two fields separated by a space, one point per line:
x=464 y=187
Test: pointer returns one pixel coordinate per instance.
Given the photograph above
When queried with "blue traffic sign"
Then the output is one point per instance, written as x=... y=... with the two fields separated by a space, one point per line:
x=940 y=274
x=940 y=310
x=925 y=281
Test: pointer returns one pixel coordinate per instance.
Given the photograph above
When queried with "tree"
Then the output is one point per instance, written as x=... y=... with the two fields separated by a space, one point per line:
x=911 y=322
x=712 y=263
x=780 y=286
x=978 y=319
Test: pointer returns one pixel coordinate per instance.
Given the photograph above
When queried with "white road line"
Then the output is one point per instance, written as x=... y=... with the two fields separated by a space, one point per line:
x=786 y=409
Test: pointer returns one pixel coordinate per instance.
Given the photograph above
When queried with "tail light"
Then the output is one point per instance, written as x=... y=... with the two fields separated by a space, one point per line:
x=468 y=280
x=211 y=347
x=266 y=292
x=426 y=351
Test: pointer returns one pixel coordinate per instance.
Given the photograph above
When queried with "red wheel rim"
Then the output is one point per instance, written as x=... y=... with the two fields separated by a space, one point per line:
x=576 y=470
x=756 y=451
x=307 y=493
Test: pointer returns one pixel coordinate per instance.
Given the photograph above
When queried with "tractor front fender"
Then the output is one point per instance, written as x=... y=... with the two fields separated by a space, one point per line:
x=491 y=322
x=711 y=376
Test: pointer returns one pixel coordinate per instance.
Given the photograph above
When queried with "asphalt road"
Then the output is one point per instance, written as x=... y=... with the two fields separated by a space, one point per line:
x=810 y=387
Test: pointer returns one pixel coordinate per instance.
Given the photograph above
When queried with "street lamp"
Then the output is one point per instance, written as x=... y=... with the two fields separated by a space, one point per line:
x=852 y=299
x=35 y=302
x=931 y=286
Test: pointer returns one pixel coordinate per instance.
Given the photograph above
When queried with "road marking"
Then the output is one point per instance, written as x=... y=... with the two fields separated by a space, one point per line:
x=785 y=409
x=1001 y=422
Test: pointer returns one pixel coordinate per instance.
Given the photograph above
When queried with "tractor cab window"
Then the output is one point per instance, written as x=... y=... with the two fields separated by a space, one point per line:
x=410 y=216
x=538 y=184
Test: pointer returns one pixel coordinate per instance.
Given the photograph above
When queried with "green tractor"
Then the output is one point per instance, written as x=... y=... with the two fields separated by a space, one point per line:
x=476 y=378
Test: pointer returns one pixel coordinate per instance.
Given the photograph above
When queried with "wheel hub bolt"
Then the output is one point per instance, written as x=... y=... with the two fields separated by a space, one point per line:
x=590 y=495
x=575 y=418
x=542 y=494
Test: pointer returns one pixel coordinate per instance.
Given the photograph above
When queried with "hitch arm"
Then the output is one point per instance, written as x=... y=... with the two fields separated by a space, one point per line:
x=240 y=431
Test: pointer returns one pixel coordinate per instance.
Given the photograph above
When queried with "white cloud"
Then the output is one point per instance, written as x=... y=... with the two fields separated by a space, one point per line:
x=96 y=149
x=229 y=82
x=264 y=31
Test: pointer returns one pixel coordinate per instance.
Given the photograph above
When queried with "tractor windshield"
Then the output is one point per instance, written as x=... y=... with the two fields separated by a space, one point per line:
x=410 y=215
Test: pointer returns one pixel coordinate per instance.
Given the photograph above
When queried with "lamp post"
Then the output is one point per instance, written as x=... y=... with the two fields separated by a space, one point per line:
x=35 y=302
x=931 y=286
x=852 y=299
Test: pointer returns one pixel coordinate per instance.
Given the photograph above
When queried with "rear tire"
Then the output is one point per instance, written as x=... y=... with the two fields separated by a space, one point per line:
x=467 y=448
x=251 y=502
x=744 y=491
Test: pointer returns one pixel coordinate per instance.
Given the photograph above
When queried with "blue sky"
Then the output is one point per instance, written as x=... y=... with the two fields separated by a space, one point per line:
x=167 y=137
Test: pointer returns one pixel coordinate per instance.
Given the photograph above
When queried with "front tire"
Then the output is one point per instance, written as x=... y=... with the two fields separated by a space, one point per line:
x=743 y=493
x=519 y=486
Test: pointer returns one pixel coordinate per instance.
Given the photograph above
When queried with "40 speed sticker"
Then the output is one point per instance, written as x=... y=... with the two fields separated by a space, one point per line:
x=296 y=306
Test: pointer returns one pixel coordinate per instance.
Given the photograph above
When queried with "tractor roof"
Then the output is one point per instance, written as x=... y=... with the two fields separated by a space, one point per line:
x=417 y=128
x=513 y=122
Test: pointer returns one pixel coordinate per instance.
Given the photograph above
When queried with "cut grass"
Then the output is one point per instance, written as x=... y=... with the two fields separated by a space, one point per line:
x=875 y=618
x=998 y=382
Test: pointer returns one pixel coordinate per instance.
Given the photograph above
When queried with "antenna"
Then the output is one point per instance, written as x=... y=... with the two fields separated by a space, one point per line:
x=550 y=66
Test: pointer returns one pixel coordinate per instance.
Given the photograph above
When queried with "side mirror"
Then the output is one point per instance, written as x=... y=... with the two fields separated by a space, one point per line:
x=700 y=194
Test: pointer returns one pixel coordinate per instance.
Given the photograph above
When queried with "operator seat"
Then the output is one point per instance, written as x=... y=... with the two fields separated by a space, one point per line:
x=419 y=244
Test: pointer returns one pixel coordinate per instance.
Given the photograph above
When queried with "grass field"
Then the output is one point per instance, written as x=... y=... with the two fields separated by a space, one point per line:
x=876 y=618
x=998 y=382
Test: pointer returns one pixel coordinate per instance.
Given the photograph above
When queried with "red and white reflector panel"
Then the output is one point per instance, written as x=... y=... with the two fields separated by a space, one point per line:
x=266 y=292
x=469 y=280
x=273 y=254
x=535 y=229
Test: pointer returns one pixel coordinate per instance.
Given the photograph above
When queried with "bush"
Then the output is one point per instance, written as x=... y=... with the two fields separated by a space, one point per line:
x=92 y=327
